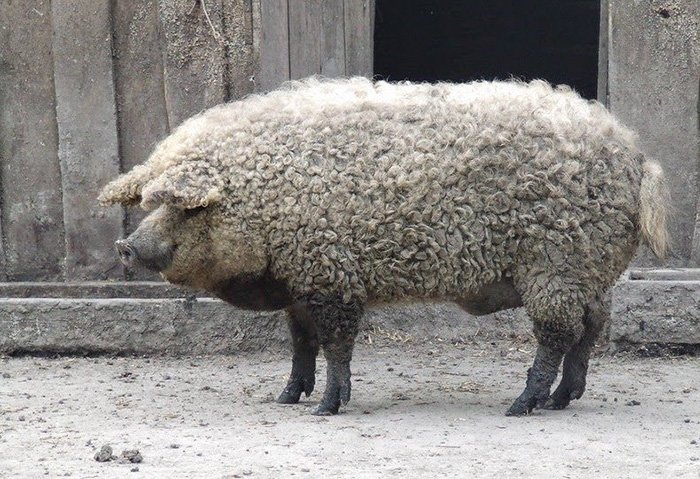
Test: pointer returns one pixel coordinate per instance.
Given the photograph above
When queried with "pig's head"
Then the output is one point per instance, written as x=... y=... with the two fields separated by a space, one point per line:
x=192 y=236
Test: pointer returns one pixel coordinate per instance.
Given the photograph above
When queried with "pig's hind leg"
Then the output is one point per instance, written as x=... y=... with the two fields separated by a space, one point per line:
x=305 y=344
x=573 y=381
x=556 y=307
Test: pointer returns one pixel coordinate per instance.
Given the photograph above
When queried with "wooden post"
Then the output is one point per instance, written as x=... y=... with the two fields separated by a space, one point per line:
x=238 y=31
x=695 y=254
x=87 y=128
x=305 y=31
x=603 y=36
x=274 y=44
x=31 y=212
x=195 y=66
x=333 y=39
x=359 y=37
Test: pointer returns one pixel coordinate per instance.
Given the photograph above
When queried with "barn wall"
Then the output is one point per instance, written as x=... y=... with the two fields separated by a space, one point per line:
x=88 y=87
x=328 y=37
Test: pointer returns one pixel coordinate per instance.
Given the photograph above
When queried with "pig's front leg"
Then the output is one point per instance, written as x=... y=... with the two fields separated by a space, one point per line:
x=305 y=343
x=337 y=324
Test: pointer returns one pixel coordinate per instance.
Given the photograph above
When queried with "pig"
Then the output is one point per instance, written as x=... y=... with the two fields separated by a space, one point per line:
x=326 y=197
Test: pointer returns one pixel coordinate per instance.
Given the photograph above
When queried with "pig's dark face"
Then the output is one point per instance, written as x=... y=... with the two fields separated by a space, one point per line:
x=192 y=247
x=152 y=245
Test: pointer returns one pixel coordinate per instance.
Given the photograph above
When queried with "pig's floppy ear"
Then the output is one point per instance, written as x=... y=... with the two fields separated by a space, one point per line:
x=126 y=189
x=188 y=185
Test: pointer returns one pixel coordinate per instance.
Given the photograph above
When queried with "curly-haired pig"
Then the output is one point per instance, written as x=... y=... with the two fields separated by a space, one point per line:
x=327 y=196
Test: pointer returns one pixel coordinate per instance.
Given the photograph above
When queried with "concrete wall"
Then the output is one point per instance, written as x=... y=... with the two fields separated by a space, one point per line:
x=654 y=86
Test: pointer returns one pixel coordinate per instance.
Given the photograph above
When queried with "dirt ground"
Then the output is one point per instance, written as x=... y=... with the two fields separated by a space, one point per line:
x=418 y=410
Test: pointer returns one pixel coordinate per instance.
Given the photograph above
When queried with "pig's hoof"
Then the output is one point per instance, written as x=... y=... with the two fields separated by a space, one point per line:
x=518 y=410
x=555 y=404
x=337 y=393
x=562 y=396
x=289 y=396
x=522 y=406
x=325 y=410
x=292 y=392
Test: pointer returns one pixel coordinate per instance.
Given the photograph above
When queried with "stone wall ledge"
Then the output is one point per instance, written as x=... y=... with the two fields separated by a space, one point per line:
x=650 y=307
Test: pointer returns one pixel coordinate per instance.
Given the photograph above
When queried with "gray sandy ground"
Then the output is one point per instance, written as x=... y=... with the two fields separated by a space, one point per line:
x=418 y=410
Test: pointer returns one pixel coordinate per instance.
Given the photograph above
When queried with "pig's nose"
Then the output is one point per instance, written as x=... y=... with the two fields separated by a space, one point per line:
x=127 y=253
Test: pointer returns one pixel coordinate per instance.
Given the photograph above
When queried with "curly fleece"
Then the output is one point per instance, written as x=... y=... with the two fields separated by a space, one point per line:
x=378 y=191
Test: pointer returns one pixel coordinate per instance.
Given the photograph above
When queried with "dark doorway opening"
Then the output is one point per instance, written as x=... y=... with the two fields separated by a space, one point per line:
x=453 y=40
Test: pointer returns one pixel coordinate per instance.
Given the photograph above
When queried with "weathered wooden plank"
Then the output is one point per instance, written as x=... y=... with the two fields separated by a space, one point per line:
x=3 y=263
x=654 y=65
x=3 y=267
x=32 y=219
x=257 y=33
x=87 y=129
x=138 y=77
x=138 y=80
x=603 y=47
x=195 y=66
x=240 y=63
x=695 y=247
x=274 y=44
x=305 y=32
x=333 y=39
x=359 y=37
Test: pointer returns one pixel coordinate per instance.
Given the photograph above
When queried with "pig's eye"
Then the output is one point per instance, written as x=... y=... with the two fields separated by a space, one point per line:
x=192 y=212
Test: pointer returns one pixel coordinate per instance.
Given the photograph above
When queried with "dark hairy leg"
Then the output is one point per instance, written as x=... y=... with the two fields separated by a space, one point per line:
x=337 y=324
x=540 y=378
x=573 y=381
x=557 y=311
x=305 y=344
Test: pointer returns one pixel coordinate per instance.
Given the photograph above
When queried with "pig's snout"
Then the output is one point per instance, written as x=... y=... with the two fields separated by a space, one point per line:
x=127 y=253
x=143 y=250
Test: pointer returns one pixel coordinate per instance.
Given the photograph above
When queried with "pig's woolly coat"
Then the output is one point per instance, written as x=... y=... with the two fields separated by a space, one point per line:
x=378 y=191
